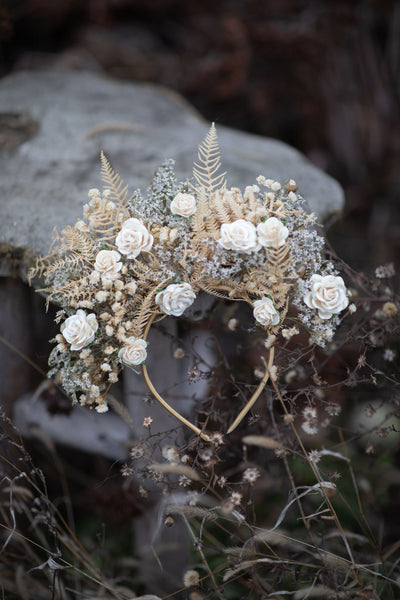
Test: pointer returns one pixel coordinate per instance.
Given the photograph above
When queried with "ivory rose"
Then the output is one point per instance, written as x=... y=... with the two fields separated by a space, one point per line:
x=175 y=299
x=272 y=232
x=265 y=312
x=134 y=238
x=183 y=205
x=79 y=330
x=107 y=263
x=134 y=352
x=240 y=235
x=327 y=295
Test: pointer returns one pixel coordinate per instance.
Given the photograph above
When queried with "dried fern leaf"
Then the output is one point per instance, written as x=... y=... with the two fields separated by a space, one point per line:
x=145 y=312
x=207 y=170
x=213 y=292
x=235 y=204
x=55 y=241
x=199 y=222
x=225 y=292
x=217 y=206
x=113 y=182
x=69 y=293
x=250 y=199
x=40 y=268
x=62 y=264
x=79 y=242
x=147 y=272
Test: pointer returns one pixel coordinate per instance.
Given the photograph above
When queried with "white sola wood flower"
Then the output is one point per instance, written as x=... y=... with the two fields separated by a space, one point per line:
x=183 y=205
x=240 y=235
x=265 y=312
x=327 y=295
x=134 y=238
x=134 y=352
x=107 y=263
x=80 y=329
x=175 y=299
x=272 y=232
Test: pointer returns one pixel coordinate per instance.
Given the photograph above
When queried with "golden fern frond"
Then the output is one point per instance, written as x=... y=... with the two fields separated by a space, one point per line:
x=70 y=292
x=200 y=216
x=235 y=205
x=255 y=287
x=278 y=261
x=60 y=264
x=113 y=182
x=279 y=294
x=250 y=199
x=213 y=225
x=106 y=226
x=210 y=289
x=201 y=250
x=55 y=241
x=207 y=170
x=79 y=242
x=146 y=271
x=146 y=311
x=218 y=207
x=40 y=268
x=205 y=222
x=275 y=278
x=67 y=264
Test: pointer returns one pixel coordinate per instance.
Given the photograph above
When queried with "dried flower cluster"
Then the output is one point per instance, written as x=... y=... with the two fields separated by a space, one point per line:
x=133 y=260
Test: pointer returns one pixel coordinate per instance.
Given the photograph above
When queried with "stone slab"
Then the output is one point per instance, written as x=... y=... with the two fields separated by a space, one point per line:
x=54 y=124
x=82 y=429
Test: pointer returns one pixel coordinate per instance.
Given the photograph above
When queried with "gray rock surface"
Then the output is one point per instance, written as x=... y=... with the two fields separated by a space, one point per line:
x=54 y=124
x=82 y=429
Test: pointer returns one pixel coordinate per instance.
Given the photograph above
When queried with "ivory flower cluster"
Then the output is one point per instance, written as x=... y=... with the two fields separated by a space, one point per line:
x=243 y=236
x=131 y=261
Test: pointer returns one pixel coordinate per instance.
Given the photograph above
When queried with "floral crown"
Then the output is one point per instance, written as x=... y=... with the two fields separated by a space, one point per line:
x=130 y=261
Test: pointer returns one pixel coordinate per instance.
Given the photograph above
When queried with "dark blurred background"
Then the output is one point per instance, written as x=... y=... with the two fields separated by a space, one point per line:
x=323 y=76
